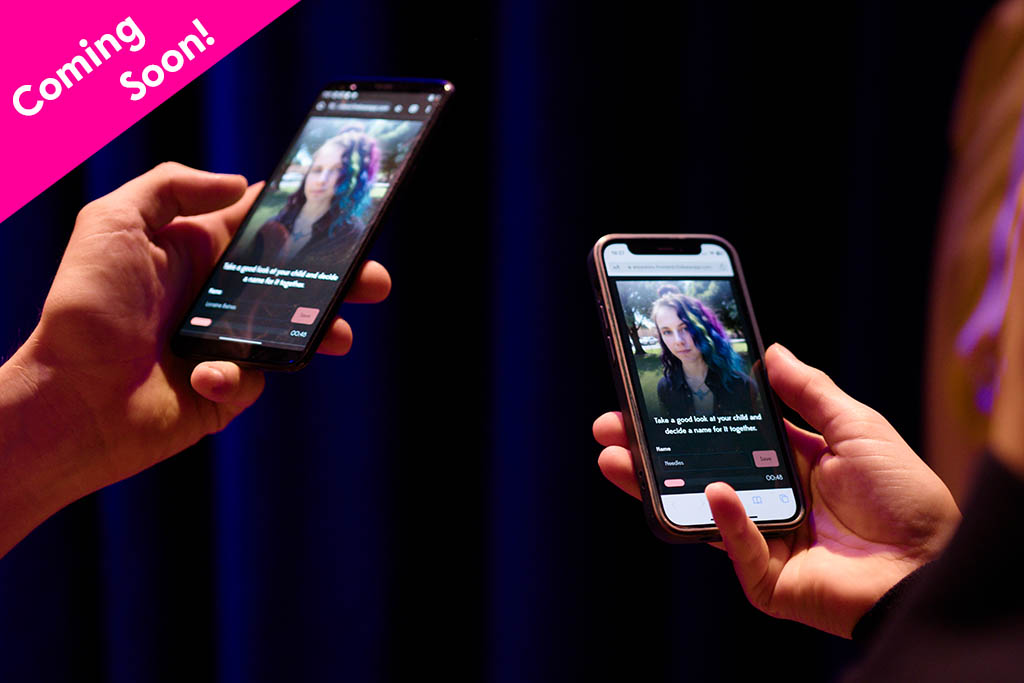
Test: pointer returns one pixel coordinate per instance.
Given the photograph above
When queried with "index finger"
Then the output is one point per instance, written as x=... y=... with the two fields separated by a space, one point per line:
x=610 y=430
x=371 y=286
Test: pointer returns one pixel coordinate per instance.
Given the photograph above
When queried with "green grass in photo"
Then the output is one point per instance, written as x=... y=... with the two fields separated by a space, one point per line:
x=268 y=209
x=649 y=369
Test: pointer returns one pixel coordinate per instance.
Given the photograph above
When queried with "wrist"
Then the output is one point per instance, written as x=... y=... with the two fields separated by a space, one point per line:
x=45 y=441
x=844 y=613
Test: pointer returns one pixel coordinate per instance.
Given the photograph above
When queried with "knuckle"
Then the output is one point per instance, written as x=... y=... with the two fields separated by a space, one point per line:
x=104 y=212
x=820 y=381
x=168 y=168
x=89 y=210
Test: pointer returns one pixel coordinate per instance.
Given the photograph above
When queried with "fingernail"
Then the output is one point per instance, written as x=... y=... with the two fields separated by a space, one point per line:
x=784 y=351
x=233 y=176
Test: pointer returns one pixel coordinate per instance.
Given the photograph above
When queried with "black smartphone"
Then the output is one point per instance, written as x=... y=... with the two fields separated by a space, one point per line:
x=695 y=398
x=276 y=289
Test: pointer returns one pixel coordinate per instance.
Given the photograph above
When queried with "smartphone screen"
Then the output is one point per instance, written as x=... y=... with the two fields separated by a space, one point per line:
x=694 y=360
x=276 y=288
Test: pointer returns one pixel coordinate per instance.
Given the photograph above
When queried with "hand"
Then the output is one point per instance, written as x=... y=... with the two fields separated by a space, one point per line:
x=876 y=511
x=98 y=365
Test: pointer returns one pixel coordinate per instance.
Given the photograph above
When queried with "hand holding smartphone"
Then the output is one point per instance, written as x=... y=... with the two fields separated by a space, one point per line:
x=695 y=399
x=275 y=291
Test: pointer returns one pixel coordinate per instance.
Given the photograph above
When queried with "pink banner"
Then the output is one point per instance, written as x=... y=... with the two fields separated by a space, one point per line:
x=76 y=75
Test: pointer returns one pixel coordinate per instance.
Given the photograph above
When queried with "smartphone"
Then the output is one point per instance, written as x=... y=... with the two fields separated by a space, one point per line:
x=695 y=398
x=275 y=291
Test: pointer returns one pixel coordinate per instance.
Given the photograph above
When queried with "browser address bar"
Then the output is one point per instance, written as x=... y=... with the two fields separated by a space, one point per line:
x=625 y=265
x=673 y=267
x=371 y=107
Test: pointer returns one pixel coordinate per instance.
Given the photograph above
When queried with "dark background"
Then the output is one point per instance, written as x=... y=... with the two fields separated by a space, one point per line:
x=430 y=505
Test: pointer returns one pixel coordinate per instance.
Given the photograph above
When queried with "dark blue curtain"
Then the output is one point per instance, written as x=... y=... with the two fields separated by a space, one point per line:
x=429 y=506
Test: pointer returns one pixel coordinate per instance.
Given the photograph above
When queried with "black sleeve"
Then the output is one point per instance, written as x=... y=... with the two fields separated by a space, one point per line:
x=887 y=605
x=963 y=617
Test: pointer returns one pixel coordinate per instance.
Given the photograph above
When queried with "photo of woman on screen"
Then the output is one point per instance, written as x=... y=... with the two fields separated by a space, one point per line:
x=702 y=374
x=320 y=222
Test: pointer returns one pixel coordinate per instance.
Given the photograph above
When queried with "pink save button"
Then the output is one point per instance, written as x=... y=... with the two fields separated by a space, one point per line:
x=305 y=316
x=200 y=321
x=674 y=483
x=766 y=459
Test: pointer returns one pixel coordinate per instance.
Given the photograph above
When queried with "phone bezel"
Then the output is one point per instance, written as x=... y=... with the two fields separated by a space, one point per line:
x=271 y=358
x=682 y=243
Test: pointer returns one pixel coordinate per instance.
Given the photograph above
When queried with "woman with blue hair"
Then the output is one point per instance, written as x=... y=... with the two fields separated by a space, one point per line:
x=703 y=375
x=321 y=221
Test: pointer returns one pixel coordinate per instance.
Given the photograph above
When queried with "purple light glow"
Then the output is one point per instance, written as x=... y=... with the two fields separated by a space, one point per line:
x=987 y=317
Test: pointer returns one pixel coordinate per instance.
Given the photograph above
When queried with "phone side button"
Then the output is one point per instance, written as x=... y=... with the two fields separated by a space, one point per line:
x=604 y=318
